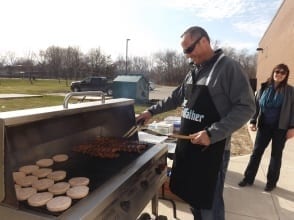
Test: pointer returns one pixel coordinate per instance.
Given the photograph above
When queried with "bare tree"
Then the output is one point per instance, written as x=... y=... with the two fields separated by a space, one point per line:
x=165 y=67
x=169 y=67
x=53 y=59
x=249 y=63
x=140 y=65
x=26 y=68
x=11 y=58
x=71 y=63
x=120 y=65
x=246 y=60
x=99 y=63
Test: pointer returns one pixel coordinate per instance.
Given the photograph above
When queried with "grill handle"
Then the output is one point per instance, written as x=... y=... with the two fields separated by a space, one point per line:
x=86 y=93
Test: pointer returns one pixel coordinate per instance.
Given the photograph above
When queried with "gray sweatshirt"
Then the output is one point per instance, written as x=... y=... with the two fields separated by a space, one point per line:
x=230 y=91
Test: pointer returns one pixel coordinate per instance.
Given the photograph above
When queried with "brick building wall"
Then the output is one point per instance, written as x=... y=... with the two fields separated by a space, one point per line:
x=277 y=43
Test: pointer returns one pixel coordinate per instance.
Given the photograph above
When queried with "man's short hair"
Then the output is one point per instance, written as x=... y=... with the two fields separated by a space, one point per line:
x=196 y=31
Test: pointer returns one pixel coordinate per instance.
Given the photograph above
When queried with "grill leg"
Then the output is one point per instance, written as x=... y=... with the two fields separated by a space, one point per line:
x=173 y=204
x=170 y=200
x=154 y=205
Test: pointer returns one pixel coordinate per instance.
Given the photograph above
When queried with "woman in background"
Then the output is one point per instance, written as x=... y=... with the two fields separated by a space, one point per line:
x=275 y=121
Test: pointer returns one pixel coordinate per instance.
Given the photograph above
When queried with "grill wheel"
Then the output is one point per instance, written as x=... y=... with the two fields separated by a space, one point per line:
x=146 y=216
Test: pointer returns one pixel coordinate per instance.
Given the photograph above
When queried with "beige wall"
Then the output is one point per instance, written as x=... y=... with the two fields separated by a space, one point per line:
x=278 y=43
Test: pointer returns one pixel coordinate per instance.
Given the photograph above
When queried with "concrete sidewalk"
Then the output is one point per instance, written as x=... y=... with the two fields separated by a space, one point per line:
x=250 y=203
x=253 y=202
x=14 y=96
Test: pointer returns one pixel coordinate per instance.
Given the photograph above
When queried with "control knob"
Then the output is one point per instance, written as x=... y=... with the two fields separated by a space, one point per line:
x=144 y=184
x=125 y=205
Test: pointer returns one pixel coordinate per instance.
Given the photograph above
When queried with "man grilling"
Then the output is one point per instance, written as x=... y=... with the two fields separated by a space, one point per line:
x=219 y=101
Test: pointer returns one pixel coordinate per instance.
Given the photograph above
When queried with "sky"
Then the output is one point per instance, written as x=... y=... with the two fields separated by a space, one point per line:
x=28 y=26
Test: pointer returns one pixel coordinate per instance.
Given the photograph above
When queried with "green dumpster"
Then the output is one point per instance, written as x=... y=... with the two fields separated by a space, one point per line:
x=134 y=86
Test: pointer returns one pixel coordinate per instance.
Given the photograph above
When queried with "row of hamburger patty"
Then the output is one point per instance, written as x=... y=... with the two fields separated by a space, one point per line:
x=39 y=185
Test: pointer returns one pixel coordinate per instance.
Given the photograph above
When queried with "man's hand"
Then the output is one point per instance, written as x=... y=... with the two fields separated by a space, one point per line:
x=252 y=127
x=200 y=138
x=290 y=133
x=145 y=116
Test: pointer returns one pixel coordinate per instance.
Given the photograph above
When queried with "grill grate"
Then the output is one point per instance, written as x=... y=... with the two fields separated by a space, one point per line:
x=98 y=170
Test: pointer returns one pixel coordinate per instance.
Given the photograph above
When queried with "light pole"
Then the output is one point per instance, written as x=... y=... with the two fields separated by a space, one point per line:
x=127 y=41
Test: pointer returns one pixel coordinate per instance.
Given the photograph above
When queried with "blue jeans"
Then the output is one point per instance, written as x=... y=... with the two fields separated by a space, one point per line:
x=263 y=137
x=217 y=212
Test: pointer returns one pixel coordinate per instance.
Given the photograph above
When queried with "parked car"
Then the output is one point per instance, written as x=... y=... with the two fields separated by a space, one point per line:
x=93 y=83
x=151 y=86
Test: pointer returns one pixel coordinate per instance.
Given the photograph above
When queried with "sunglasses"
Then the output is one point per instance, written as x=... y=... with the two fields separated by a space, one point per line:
x=283 y=72
x=192 y=46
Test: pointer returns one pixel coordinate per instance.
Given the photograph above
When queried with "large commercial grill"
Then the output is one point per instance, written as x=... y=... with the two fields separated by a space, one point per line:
x=119 y=187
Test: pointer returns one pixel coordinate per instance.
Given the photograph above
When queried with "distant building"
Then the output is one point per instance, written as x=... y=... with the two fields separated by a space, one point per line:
x=277 y=44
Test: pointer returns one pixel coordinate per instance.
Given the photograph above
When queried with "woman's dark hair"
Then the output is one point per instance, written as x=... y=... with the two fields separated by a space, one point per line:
x=282 y=84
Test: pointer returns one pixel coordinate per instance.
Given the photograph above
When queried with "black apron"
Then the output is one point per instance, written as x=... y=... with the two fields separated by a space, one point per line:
x=195 y=168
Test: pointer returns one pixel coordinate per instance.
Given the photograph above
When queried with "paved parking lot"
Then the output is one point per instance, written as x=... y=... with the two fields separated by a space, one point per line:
x=160 y=92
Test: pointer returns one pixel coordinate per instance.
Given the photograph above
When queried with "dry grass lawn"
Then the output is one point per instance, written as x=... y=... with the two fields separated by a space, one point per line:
x=241 y=142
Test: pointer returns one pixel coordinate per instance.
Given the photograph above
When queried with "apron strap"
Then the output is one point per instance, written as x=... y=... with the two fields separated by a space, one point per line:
x=212 y=69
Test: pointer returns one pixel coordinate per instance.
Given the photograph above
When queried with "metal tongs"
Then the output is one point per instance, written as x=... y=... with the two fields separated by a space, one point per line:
x=170 y=135
x=137 y=127
x=140 y=126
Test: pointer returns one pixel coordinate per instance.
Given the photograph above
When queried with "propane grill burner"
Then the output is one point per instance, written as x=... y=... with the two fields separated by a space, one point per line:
x=120 y=188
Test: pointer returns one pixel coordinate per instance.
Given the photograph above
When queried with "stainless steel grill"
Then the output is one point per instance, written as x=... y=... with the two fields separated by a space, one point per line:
x=120 y=188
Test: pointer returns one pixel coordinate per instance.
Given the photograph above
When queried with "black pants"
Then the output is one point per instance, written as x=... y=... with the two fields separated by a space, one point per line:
x=263 y=137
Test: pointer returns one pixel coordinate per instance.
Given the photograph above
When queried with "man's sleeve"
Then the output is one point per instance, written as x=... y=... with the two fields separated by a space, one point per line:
x=241 y=97
x=172 y=102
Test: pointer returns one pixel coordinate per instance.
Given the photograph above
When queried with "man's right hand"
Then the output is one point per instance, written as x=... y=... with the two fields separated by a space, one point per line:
x=145 y=116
